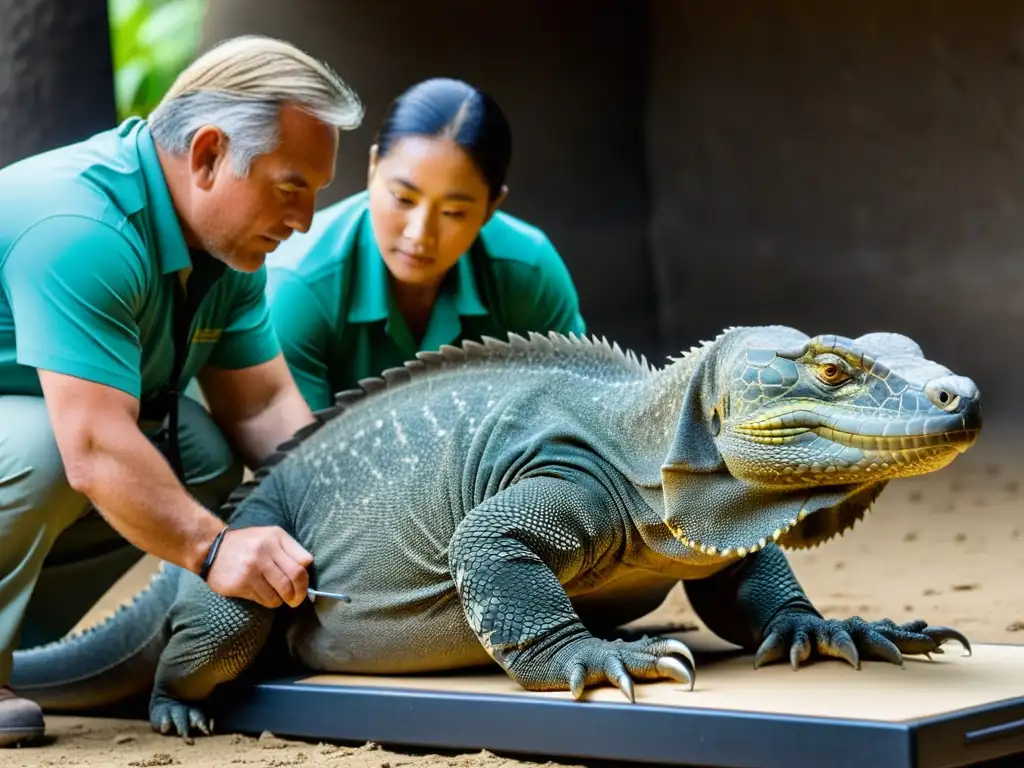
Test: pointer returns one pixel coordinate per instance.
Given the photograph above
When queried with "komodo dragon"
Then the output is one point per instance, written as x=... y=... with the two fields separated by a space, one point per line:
x=514 y=500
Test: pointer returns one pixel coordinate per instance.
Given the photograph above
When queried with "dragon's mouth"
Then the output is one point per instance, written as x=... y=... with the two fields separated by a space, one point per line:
x=959 y=439
x=867 y=434
x=805 y=447
x=794 y=490
x=800 y=473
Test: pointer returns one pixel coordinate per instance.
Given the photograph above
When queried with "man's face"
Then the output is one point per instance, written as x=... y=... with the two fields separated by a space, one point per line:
x=241 y=220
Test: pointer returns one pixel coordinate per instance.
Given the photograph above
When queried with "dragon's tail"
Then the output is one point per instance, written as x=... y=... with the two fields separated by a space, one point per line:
x=105 y=664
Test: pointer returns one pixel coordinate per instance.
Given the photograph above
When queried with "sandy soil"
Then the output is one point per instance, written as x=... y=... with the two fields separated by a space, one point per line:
x=948 y=548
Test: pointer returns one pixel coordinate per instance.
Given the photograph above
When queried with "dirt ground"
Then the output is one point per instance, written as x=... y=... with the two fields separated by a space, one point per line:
x=948 y=548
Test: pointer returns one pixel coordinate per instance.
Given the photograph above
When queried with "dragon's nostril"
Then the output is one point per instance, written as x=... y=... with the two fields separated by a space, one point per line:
x=716 y=423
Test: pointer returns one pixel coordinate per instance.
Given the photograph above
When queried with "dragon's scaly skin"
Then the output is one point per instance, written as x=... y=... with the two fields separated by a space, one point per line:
x=515 y=501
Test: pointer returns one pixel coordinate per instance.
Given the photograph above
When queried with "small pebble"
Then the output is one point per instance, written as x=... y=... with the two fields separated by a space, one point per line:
x=964 y=587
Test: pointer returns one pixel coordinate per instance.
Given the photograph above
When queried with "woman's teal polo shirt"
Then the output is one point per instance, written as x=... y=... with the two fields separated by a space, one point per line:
x=333 y=313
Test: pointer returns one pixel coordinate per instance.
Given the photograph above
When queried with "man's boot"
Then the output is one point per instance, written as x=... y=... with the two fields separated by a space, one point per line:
x=21 y=720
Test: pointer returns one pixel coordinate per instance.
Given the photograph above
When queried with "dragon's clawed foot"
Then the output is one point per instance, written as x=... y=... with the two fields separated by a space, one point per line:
x=852 y=639
x=594 y=661
x=169 y=716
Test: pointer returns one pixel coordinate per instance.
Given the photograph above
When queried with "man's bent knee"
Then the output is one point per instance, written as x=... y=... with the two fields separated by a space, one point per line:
x=34 y=489
x=36 y=505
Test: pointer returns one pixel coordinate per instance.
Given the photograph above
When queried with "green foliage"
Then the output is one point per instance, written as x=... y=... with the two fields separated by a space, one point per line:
x=153 y=40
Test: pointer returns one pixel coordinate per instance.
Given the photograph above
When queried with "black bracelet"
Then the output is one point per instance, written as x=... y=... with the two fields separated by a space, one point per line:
x=212 y=554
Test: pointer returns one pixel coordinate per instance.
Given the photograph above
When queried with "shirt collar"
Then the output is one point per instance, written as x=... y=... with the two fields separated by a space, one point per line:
x=172 y=251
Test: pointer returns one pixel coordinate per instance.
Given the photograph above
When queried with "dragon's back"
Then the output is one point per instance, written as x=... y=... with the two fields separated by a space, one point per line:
x=377 y=492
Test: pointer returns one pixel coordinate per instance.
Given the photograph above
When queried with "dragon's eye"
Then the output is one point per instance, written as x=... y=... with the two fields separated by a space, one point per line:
x=832 y=373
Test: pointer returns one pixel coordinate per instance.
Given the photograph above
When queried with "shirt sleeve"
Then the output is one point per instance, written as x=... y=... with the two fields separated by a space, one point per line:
x=75 y=286
x=304 y=333
x=248 y=337
x=542 y=297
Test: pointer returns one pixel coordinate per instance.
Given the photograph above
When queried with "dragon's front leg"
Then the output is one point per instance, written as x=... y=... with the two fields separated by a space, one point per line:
x=759 y=605
x=510 y=557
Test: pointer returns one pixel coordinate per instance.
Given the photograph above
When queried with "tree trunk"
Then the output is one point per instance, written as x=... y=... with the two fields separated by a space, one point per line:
x=56 y=74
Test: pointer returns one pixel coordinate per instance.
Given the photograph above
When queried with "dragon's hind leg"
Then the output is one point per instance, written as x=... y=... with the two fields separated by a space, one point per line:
x=214 y=639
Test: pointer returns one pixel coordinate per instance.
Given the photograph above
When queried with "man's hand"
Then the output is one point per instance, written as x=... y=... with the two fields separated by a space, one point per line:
x=263 y=564
x=109 y=460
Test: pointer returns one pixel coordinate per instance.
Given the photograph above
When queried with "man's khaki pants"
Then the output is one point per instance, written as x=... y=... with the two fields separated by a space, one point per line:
x=57 y=554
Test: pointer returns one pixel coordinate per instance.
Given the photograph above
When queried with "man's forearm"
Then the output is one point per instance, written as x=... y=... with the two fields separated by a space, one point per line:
x=131 y=484
x=258 y=408
x=259 y=435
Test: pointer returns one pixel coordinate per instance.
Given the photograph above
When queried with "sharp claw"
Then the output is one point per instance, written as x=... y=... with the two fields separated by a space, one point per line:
x=625 y=684
x=885 y=648
x=671 y=667
x=799 y=652
x=181 y=723
x=944 y=634
x=198 y=721
x=769 y=650
x=615 y=671
x=671 y=645
x=848 y=651
x=576 y=679
x=761 y=657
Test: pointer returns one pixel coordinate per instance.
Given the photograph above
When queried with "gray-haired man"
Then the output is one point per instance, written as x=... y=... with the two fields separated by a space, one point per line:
x=130 y=263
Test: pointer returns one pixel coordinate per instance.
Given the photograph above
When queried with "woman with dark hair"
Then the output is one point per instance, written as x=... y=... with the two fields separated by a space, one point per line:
x=422 y=257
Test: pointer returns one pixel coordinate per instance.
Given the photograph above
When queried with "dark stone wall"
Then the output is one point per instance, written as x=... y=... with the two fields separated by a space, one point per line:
x=842 y=166
x=570 y=78
x=56 y=74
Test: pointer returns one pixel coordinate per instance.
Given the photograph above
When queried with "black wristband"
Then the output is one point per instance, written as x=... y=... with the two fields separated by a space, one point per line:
x=212 y=554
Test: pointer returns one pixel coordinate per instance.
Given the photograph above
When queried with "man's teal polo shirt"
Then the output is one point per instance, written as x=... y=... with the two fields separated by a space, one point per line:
x=332 y=309
x=90 y=247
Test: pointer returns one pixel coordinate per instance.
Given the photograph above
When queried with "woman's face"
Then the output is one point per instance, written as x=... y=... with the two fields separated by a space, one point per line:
x=428 y=202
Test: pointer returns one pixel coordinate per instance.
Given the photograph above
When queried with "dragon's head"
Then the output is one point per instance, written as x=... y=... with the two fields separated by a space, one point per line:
x=787 y=438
